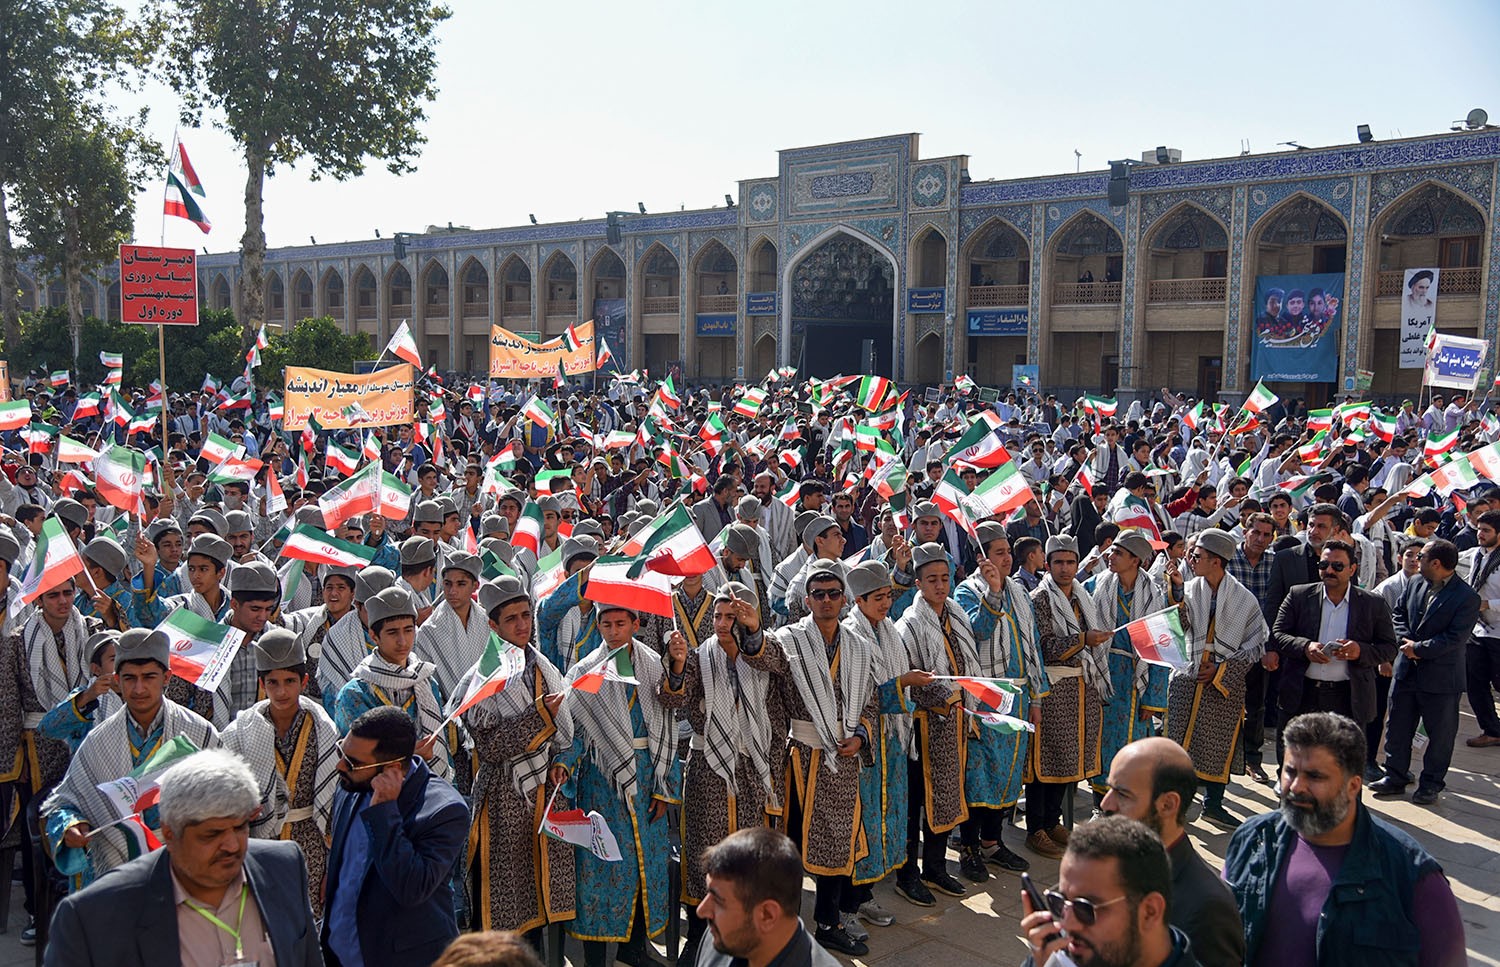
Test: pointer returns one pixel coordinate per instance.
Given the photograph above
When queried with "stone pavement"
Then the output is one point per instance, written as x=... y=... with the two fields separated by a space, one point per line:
x=1462 y=831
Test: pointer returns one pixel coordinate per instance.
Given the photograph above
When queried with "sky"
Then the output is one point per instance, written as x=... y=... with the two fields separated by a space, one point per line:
x=567 y=110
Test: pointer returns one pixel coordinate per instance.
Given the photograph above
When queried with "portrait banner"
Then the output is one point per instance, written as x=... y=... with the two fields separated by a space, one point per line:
x=1297 y=325
x=1419 y=290
x=343 y=400
x=513 y=356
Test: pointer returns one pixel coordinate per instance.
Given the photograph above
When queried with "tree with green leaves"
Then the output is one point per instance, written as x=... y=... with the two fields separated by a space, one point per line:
x=336 y=81
x=319 y=342
x=56 y=56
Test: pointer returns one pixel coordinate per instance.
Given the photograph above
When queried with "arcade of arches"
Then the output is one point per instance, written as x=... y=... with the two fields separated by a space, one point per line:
x=842 y=309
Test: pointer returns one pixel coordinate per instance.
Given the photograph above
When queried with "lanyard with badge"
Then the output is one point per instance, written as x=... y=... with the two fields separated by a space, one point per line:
x=234 y=931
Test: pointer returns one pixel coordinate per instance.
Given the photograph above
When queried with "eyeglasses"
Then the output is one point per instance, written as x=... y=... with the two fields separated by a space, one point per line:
x=356 y=766
x=826 y=594
x=1087 y=911
x=1336 y=567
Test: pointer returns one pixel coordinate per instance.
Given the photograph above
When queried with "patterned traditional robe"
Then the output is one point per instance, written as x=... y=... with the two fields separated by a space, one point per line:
x=944 y=645
x=1067 y=742
x=827 y=785
x=1137 y=684
x=521 y=879
x=883 y=789
x=1229 y=629
x=1004 y=629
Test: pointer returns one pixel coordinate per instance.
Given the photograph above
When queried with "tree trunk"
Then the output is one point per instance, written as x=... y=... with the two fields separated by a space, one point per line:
x=10 y=283
x=73 y=278
x=253 y=249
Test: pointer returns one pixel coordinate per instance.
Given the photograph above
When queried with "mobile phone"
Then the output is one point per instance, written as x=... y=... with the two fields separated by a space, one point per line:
x=1038 y=904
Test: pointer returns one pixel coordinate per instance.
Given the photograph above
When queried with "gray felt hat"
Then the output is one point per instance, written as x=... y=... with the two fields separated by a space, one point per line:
x=748 y=508
x=104 y=552
x=278 y=648
x=547 y=503
x=925 y=508
x=10 y=548
x=98 y=641
x=493 y=524
x=71 y=511
x=211 y=546
x=256 y=577
x=162 y=526
x=741 y=540
x=818 y=525
x=350 y=574
x=427 y=512
x=500 y=592
x=238 y=522
x=371 y=581
x=868 y=576
x=735 y=591
x=416 y=551
x=1138 y=544
x=825 y=569
x=463 y=561
x=143 y=644
x=391 y=603
x=1219 y=543
x=578 y=547
x=1062 y=542
x=930 y=553
x=988 y=531
x=214 y=520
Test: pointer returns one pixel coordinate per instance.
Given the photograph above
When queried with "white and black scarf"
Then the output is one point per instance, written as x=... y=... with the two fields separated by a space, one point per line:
x=605 y=720
x=1239 y=626
x=253 y=736
x=921 y=628
x=807 y=657
x=735 y=716
x=52 y=681
x=889 y=662
x=451 y=645
x=529 y=769
x=995 y=651
x=1148 y=599
x=1095 y=661
x=396 y=681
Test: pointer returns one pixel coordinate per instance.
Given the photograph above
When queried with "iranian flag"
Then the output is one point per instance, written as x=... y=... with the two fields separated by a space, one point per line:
x=201 y=650
x=1099 y=406
x=236 y=470
x=747 y=405
x=539 y=412
x=137 y=792
x=571 y=340
x=1085 y=478
x=392 y=497
x=1454 y=475
x=791 y=493
x=1004 y=490
x=998 y=693
x=88 y=405
x=890 y=478
x=1384 y=426
x=1260 y=399
x=528 y=533
x=619 y=440
x=500 y=662
x=39 y=437
x=308 y=543
x=340 y=459
x=1320 y=419
x=866 y=438
x=510 y=457
x=217 y=449
x=1438 y=444
x=59 y=379
x=980 y=446
x=54 y=560
x=70 y=450
x=1159 y=638
x=370 y=448
x=118 y=476
x=111 y=360
x=184 y=190
x=14 y=415
x=615 y=666
x=1486 y=461
x=1129 y=511
x=275 y=497
x=114 y=377
x=605 y=355
x=1194 y=416
x=791 y=459
x=356 y=495
x=1001 y=722
x=143 y=423
x=276 y=409
x=588 y=830
x=667 y=393
x=610 y=582
x=950 y=495
x=790 y=431
x=713 y=430
x=671 y=544
x=872 y=392
x=402 y=345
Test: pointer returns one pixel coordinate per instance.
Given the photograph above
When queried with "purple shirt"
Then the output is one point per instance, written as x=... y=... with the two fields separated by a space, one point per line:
x=1302 y=887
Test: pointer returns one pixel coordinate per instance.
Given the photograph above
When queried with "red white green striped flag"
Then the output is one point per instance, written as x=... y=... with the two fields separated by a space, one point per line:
x=500 y=662
x=671 y=544
x=403 y=346
x=392 y=497
x=1159 y=638
x=1438 y=444
x=791 y=493
x=111 y=360
x=308 y=543
x=59 y=379
x=950 y=494
x=611 y=583
x=358 y=494
x=1099 y=406
x=1004 y=490
x=1384 y=426
x=980 y=446
x=1085 y=478
x=539 y=412
x=667 y=393
x=571 y=340
x=1486 y=461
x=15 y=415
x=616 y=666
x=340 y=459
x=747 y=405
x=1260 y=399
x=528 y=533
x=184 y=190
x=217 y=449
x=118 y=475
x=201 y=650
x=999 y=721
x=587 y=830
x=236 y=470
x=70 y=450
x=39 y=437
x=88 y=404
x=873 y=391
x=54 y=560
x=370 y=449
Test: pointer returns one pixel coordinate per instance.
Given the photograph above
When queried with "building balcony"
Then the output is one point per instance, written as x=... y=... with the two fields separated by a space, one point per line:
x=1185 y=290
x=435 y=309
x=476 y=310
x=1086 y=293
x=515 y=310
x=982 y=296
x=715 y=303
x=660 y=305
x=365 y=312
x=1450 y=282
x=562 y=307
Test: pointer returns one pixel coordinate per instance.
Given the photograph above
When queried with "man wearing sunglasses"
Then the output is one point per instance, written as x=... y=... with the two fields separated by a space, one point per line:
x=1112 y=901
x=1332 y=636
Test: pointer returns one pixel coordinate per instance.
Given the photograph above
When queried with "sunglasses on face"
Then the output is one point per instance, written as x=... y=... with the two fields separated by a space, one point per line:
x=356 y=766
x=1087 y=911
x=1337 y=567
x=826 y=594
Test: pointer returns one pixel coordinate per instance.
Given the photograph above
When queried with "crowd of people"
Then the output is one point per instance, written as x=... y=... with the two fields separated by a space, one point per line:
x=857 y=647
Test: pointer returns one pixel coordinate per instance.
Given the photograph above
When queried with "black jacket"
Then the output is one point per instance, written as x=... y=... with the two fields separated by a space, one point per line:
x=800 y=951
x=1298 y=625
x=1289 y=568
x=1204 y=908
x=1441 y=632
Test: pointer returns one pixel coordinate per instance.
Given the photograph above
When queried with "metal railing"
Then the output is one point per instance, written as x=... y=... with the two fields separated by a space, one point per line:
x=1085 y=293
x=999 y=295
x=515 y=310
x=716 y=303
x=1185 y=290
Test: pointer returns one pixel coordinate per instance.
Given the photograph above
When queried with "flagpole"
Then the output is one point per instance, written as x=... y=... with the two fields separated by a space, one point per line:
x=161 y=329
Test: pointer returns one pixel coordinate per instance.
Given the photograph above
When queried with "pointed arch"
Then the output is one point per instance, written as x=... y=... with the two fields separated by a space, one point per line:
x=398 y=288
x=1293 y=205
x=1086 y=255
x=112 y=302
x=1185 y=256
x=275 y=296
x=1171 y=219
x=788 y=271
x=761 y=265
x=303 y=295
x=995 y=264
x=927 y=257
x=474 y=291
x=560 y=274
x=515 y=289
x=605 y=275
x=716 y=278
x=331 y=295
x=659 y=275
x=28 y=296
x=435 y=287
x=220 y=292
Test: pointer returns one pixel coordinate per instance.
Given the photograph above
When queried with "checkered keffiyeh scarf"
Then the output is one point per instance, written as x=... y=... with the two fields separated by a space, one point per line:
x=604 y=718
x=54 y=682
x=253 y=736
x=736 y=717
x=529 y=769
x=994 y=653
x=923 y=629
x=807 y=657
x=889 y=660
x=1148 y=599
x=1234 y=615
x=1065 y=623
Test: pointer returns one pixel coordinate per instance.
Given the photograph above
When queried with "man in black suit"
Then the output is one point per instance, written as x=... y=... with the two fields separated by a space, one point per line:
x=1152 y=781
x=172 y=906
x=1332 y=637
x=1434 y=623
x=1299 y=565
x=398 y=831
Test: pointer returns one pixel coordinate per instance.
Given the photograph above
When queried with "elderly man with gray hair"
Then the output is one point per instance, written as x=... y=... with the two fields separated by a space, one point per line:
x=232 y=899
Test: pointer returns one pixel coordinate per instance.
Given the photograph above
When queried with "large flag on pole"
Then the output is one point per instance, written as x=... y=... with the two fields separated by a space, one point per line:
x=184 y=189
x=54 y=560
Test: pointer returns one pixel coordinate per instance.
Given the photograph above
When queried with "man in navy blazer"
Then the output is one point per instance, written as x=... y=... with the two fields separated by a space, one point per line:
x=155 y=910
x=1434 y=623
x=398 y=832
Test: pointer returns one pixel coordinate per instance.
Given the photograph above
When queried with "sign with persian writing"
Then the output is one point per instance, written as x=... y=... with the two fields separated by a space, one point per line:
x=158 y=286
x=343 y=400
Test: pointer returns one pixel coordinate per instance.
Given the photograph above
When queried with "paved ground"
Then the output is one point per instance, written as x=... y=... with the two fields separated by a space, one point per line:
x=1462 y=831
